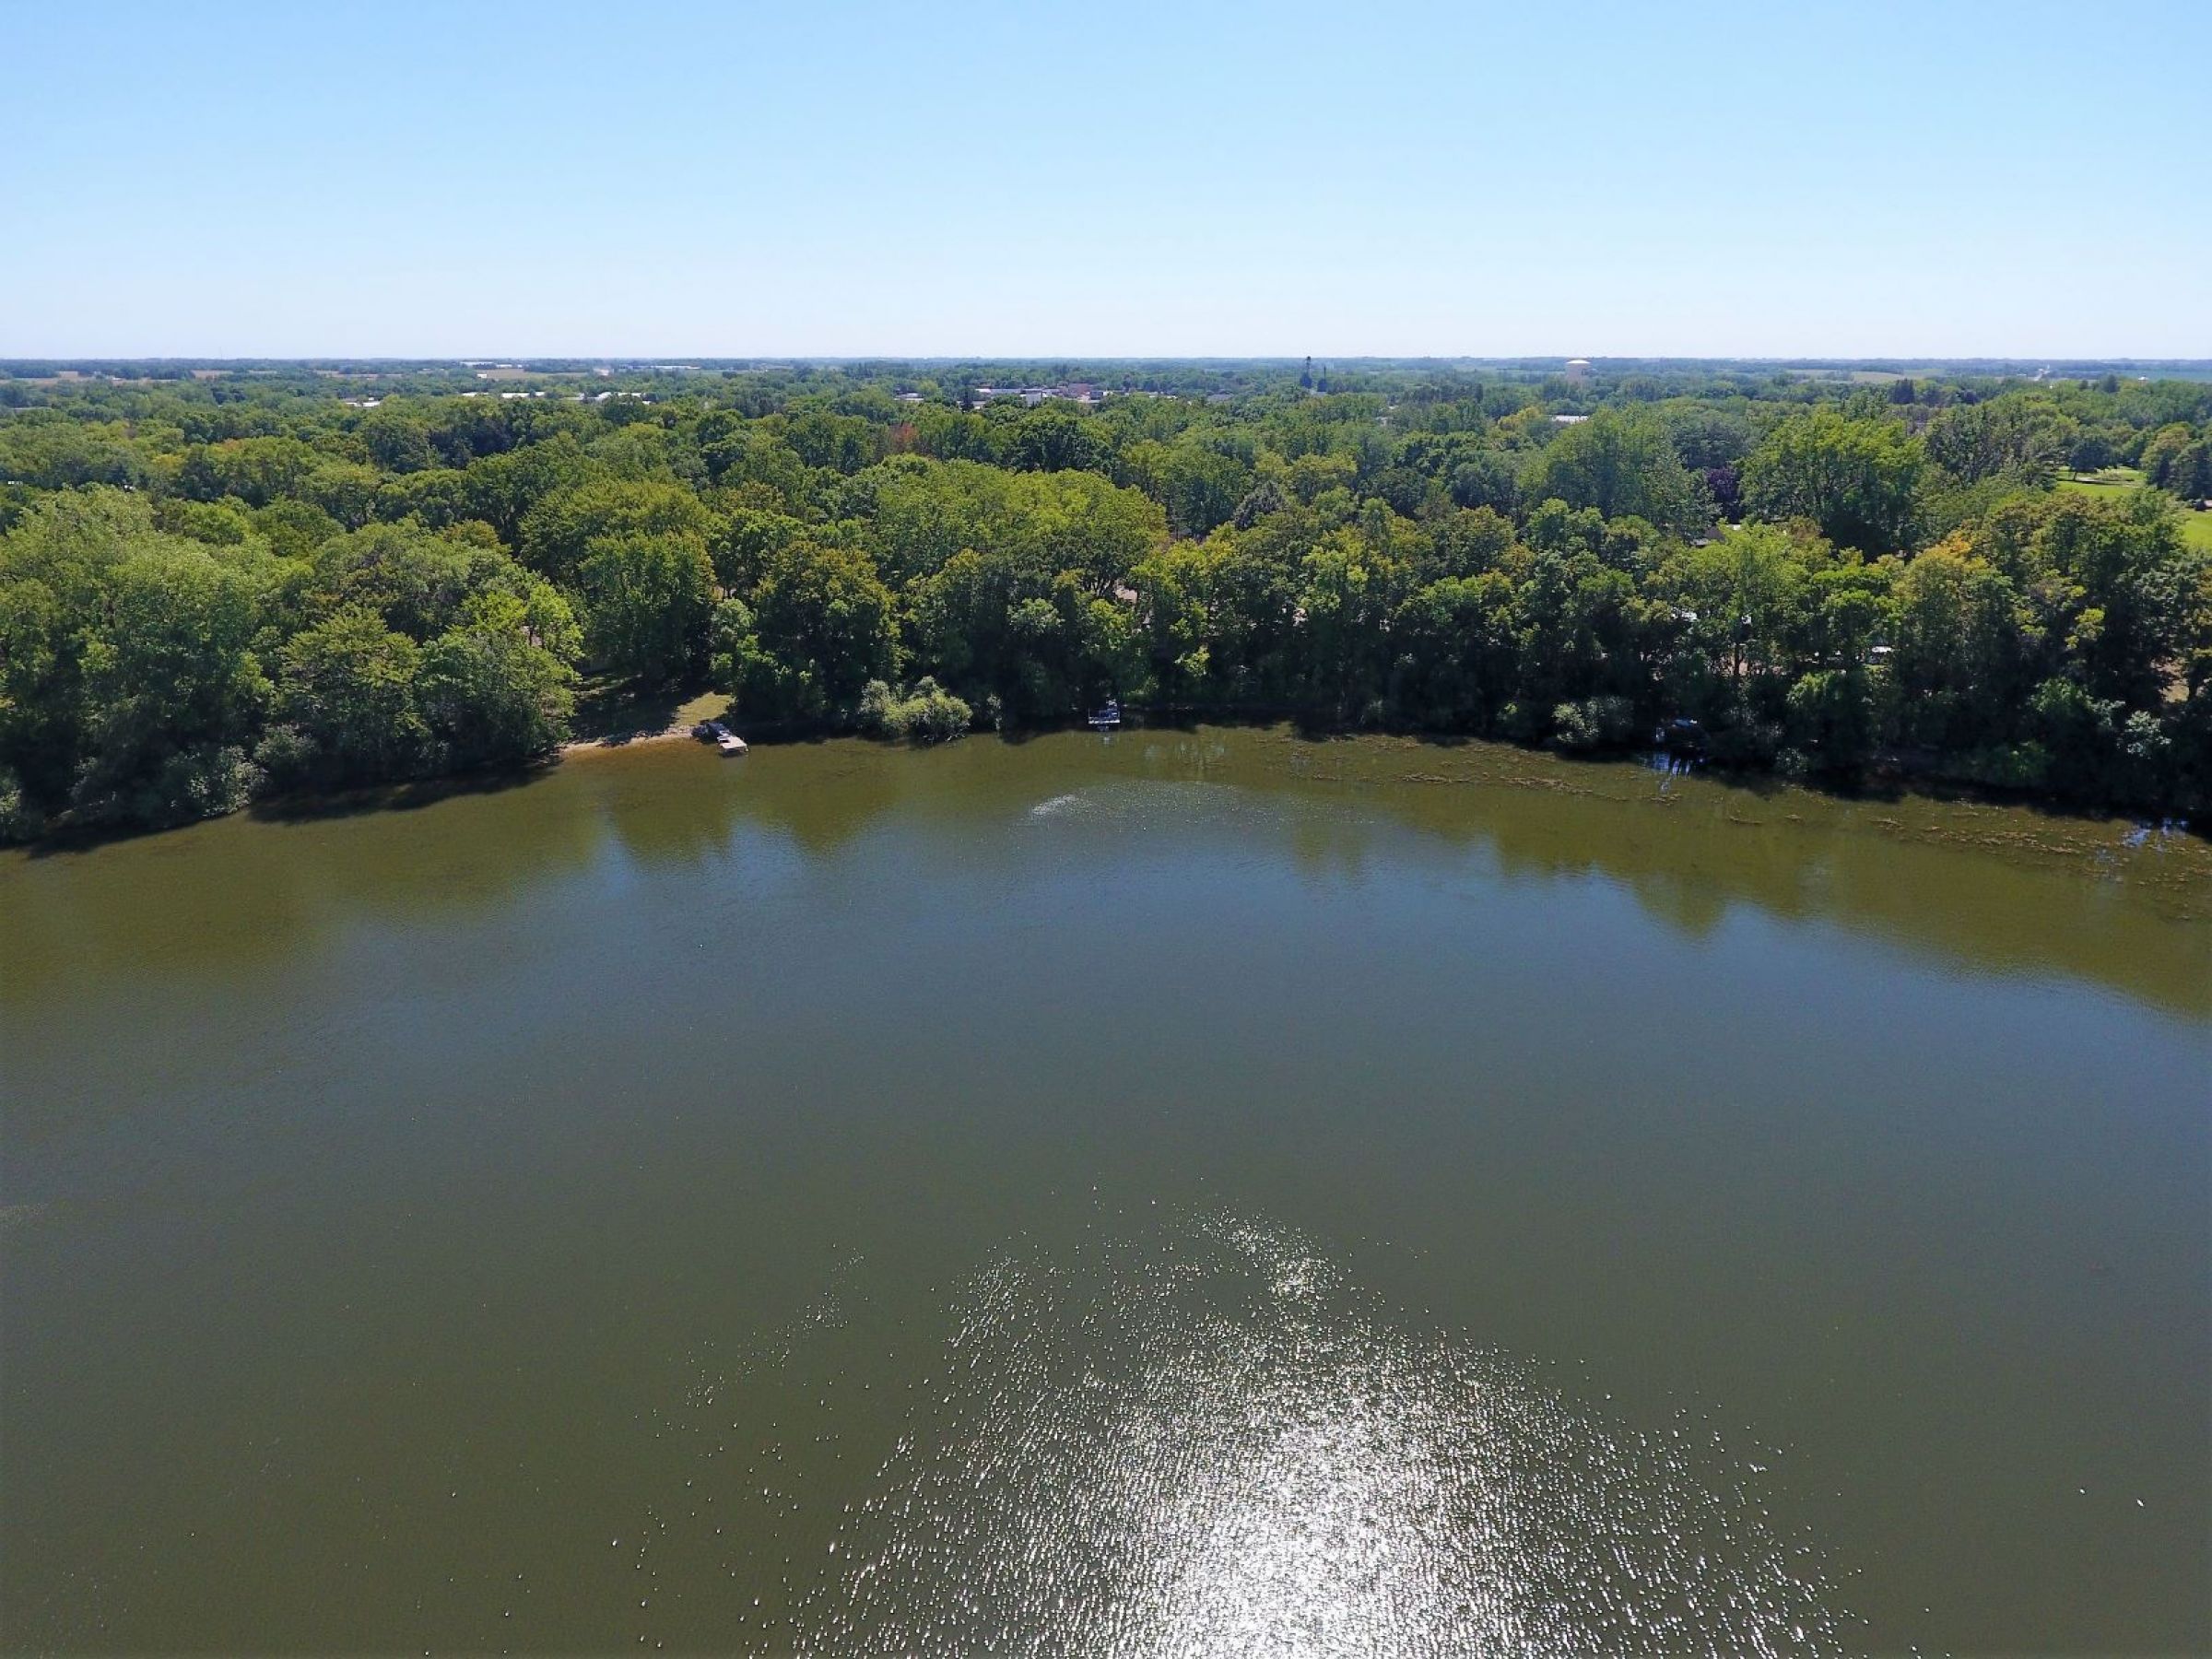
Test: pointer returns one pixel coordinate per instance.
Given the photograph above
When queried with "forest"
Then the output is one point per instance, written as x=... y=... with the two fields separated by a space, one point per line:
x=226 y=583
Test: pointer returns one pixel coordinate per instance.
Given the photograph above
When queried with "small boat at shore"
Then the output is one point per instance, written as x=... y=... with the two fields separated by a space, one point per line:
x=1106 y=716
x=720 y=736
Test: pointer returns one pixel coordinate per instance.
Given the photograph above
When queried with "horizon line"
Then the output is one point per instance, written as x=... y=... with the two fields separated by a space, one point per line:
x=939 y=356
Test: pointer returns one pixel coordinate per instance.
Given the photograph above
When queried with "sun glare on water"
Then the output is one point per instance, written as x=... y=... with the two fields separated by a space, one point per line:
x=1205 y=1440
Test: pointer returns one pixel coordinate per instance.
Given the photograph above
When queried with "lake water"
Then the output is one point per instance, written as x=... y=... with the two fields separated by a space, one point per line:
x=1191 y=1191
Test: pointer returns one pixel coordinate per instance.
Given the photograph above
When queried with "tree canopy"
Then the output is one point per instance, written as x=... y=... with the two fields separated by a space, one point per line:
x=276 y=578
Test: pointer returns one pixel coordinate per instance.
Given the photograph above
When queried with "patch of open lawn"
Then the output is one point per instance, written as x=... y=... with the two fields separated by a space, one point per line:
x=2196 y=526
x=2112 y=477
x=615 y=712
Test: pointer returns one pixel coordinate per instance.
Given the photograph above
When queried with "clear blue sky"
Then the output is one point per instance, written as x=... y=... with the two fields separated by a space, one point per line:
x=809 y=177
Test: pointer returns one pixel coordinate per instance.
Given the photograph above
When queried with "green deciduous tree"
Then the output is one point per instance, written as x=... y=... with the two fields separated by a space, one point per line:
x=823 y=626
x=1619 y=464
x=1859 y=480
x=488 y=693
x=647 y=603
x=347 y=688
x=559 y=531
x=173 y=691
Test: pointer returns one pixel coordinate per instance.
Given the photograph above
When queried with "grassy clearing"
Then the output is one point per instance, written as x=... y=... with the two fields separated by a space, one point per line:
x=1850 y=377
x=2196 y=527
x=2112 y=477
x=611 y=712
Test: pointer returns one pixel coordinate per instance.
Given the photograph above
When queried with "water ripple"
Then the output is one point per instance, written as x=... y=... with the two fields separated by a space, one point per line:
x=1207 y=1440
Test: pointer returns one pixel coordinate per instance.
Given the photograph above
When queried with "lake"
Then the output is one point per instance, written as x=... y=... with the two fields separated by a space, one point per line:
x=1186 y=1192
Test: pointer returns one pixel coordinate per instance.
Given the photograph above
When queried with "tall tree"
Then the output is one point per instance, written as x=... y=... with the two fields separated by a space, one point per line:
x=1859 y=480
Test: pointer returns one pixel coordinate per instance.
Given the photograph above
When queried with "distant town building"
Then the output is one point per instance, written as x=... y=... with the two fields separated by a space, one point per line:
x=1081 y=392
x=1578 y=369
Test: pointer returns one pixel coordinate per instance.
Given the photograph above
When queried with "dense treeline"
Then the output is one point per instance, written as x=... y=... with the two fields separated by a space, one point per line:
x=215 y=587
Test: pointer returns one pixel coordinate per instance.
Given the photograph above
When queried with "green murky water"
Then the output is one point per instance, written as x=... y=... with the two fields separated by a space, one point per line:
x=1185 y=1192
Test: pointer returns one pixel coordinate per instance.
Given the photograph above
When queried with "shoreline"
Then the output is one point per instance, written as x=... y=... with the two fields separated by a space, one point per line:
x=622 y=740
x=1897 y=776
x=1895 y=782
x=677 y=722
